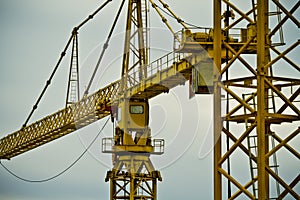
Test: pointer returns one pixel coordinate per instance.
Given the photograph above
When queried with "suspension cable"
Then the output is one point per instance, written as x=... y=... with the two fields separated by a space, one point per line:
x=166 y=6
x=155 y=6
x=93 y=14
x=48 y=82
x=105 y=45
x=187 y=23
x=63 y=171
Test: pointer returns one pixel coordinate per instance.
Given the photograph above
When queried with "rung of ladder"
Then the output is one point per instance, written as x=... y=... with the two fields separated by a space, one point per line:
x=252 y=147
x=252 y=136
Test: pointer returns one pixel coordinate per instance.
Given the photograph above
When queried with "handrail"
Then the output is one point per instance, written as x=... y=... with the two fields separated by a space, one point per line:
x=88 y=110
x=152 y=68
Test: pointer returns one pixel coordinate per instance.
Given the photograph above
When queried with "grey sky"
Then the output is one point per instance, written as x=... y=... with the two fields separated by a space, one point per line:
x=33 y=34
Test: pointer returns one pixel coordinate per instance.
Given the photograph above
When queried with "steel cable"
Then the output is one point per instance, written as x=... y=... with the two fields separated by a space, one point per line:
x=48 y=82
x=63 y=171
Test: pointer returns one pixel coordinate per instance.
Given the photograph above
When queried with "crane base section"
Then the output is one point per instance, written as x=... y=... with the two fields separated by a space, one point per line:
x=133 y=177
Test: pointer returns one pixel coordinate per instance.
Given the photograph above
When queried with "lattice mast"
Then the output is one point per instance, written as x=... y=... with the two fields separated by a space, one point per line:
x=258 y=100
x=73 y=94
x=133 y=175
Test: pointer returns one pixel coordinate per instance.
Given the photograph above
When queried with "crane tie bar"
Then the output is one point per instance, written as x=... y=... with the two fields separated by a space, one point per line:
x=48 y=82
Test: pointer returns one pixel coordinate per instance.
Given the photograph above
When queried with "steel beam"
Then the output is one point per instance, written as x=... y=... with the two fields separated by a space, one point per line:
x=265 y=91
x=217 y=101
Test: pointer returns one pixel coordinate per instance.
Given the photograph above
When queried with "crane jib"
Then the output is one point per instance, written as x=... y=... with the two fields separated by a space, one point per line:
x=63 y=122
x=96 y=106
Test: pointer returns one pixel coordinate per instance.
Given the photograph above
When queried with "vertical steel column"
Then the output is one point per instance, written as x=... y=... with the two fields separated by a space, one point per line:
x=259 y=97
x=133 y=175
x=135 y=33
x=217 y=100
x=262 y=27
x=125 y=62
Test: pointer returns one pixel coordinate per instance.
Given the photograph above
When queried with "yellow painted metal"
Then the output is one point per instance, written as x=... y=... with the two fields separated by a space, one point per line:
x=217 y=48
x=61 y=123
x=133 y=177
x=141 y=81
x=134 y=115
x=93 y=108
x=159 y=76
x=264 y=99
x=125 y=184
x=132 y=143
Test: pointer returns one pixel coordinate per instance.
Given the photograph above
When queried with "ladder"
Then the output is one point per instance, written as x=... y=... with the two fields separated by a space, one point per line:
x=252 y=145
x=280 y=30
x=274 y=163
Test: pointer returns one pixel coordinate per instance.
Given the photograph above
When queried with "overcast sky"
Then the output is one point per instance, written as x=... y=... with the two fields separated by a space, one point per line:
x=33 y=34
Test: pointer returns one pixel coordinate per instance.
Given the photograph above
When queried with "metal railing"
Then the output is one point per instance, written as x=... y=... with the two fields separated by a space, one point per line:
x=107 y=145
x=157 y=144
x=180 y=34
x=137 y=74
x=235 y=35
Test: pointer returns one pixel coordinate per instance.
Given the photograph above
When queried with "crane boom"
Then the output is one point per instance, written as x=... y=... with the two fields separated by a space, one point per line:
x=170 y=72
x=60 y=123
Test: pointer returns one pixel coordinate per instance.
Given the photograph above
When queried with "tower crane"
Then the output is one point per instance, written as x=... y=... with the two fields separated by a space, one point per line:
x=203 y=57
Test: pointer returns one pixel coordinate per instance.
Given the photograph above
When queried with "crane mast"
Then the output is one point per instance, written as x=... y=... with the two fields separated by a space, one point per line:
x=133 y=175
x=257 y=100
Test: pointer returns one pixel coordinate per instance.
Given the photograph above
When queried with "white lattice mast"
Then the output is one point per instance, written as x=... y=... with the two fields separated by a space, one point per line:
x=73 y=81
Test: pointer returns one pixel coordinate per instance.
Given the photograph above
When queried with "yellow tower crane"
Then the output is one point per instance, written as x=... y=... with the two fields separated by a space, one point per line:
x=205 y=58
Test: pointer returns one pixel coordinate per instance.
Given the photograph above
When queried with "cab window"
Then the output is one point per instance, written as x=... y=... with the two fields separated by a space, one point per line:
x=136 y=109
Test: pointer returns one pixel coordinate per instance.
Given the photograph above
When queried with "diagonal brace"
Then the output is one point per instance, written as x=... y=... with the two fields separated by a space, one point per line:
x=282 y=96
x=237 y=143
x=282 y=182
x=236 y=97
x=283 y=143
x=287 y=13
x=236 y=183
x=239 y=11
x=237 y=55
x=293 y=46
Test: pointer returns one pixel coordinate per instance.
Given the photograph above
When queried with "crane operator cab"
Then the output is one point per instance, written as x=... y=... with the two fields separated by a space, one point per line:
x=132 y=120
x=132 y=132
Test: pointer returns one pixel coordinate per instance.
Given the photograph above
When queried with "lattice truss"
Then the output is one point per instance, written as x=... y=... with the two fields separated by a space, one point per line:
x=260 y=100
x=133 y=176
x=97 y=105
x=88 y=110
